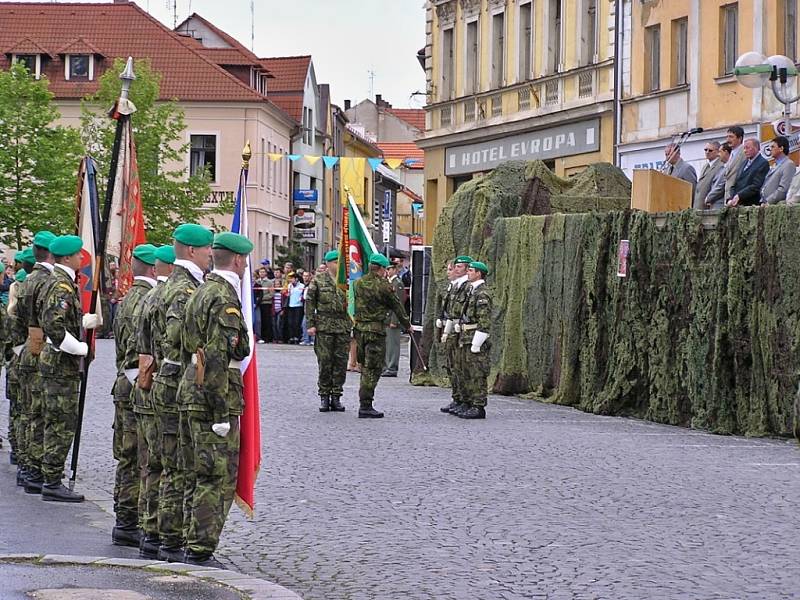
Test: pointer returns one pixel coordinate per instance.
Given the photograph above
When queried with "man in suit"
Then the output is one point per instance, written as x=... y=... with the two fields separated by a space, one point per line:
x=734 y=138
x=779 y=179
x=708 y=174
x=677 y=167
x=715 y=199
x=750 y=178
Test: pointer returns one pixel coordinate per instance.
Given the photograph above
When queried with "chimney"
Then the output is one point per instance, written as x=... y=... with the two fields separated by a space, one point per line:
x=379 y=99
x=121 y=1
x=347 y=104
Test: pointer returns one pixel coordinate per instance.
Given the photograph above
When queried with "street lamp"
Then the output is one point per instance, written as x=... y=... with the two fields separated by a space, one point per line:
x=753 y=70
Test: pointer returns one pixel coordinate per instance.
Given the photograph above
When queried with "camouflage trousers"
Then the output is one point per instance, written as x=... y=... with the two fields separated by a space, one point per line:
x=186 y=469
x=12 y=393
x=452 y=359
x=475 y=374
x=216 y=462
x=332 y=351
x=126 y=453
x=148 y=435
x=170 y=487
x=371 y=348
x=60 y=417
x=33 y=422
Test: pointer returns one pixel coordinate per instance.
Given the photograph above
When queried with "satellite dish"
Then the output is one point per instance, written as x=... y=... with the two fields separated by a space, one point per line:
x=752 y=70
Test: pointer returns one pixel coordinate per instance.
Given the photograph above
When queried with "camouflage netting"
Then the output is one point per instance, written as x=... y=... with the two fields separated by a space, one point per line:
x=704 y=332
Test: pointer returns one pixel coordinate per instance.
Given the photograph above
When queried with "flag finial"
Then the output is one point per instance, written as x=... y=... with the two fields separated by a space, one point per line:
x=246 y=154
x=127 y=77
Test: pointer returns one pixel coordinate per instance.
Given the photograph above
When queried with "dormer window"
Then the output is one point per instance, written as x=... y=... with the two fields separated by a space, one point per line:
x=32 y=62
x=79 y=66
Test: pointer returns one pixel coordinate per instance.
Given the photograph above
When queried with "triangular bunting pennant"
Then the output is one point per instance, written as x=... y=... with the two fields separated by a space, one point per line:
x=293 y=157
x=394 y=163
x=374 y=163
x=330 y=161
x=274 y=157
x=312 y=160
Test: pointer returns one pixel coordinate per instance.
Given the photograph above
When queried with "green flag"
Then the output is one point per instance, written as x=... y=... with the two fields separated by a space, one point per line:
x=356 y=249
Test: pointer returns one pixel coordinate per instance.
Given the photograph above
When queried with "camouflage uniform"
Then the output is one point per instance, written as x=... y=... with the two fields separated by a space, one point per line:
x=168 y=318
x=60 y=372
x=6 y=356
x=30 y=430
x=456 y=300
x=392 y=361
x=326 y=310
x=213 y=321
x=373 y=299
x=148 y=423
x=477 y=316
x=126 y=444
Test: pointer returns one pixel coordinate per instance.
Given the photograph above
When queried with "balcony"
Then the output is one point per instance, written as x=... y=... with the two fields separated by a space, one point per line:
x=586 y=84
x=524 y=98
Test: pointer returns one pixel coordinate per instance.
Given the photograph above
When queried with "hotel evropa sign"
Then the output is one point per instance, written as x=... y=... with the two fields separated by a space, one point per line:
x=553 y=142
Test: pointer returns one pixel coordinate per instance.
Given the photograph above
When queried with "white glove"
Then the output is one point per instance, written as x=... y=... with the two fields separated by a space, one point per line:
x=72 y=346
x=131 y=375
x=439 y=323
x=448 y=326
x=457 y=327
x=444 y=337
x=221 y=429
x=90 y=321
x=18 y=349
x=477 y=341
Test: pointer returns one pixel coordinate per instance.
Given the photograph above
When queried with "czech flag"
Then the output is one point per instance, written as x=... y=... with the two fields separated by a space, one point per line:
x=250 y=421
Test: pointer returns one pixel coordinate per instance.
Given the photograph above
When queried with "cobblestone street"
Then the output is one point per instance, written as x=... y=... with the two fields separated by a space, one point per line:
x=537 y=501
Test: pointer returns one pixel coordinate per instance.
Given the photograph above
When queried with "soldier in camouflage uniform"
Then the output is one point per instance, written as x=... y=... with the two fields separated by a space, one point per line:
x=374 y=298
x=28 y=330
x=215 y=341
x=393 y=338
x=14 y=338
x=61 y=363
x=148 y=347
x=475 y=349
x=193 y=256
x=126 y=443
x=454 y=305
x=329 y=322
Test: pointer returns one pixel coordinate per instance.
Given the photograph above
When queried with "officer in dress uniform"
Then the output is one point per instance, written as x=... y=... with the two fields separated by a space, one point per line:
x=454 y=303
x=393 y=337
x=474 y=345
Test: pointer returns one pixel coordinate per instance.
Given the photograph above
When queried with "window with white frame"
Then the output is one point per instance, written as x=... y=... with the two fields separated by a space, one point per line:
x=263 y=161
x=203 y=155
x=790 y=29
x=32 y=62
x=472 y=59
x=588 y=51
x=553 y=63
x=729 y=16
x=680 y=41
x=448 y=65
x=498 y=49
x=525 y=41
x=78 y=66
x=652 y=45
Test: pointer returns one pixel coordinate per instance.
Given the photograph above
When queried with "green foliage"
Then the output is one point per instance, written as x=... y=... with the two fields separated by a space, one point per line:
x=294 y=253
x=169 y=197
x=38 y=161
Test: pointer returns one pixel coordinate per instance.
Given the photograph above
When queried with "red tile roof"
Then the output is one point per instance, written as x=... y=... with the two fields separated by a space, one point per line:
x=291 y=104
x=290 y=73
x=412 y=154
x=413 y=116
x=117 y=31
x=79 y=46
x=26 y=46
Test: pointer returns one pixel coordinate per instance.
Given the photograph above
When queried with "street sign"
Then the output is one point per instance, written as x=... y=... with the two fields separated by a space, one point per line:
x=387 y=232
x=305 y=195
x=387 y=204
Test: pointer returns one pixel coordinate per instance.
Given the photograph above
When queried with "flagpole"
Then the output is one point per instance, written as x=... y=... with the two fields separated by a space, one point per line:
x=122 y=115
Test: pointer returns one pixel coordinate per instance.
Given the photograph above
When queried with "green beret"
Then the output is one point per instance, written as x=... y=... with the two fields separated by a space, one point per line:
x=463 y=260
x=234 y=242
x=43 y=239
x=165 y=254
x=479 y=266
x=380 y=260
x=192 y=234
x=66 y=245
x=332 y=256
x=18 y=255
x=27 y=256
x=145 y=253
x=21 y=275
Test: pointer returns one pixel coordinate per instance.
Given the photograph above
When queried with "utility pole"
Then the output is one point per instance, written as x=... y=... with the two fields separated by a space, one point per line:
x=371 y=75
x=252 y=25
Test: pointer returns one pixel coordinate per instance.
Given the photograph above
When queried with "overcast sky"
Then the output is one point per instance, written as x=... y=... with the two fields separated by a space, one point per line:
x=346 y=38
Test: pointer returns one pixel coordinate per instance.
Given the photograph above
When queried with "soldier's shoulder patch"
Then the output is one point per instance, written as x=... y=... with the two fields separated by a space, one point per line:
x=190 y=290
x=64 y=305
x=233 y=311
x=65 y=286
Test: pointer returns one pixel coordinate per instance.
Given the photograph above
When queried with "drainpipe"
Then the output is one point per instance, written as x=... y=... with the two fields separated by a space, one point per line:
x=618 y=36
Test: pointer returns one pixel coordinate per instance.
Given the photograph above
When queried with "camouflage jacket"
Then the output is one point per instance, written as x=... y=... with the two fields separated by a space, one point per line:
x=5 y=334
x=168 y=318
x=149 y=329
x=397 y=289
x=125 y=326
x=374 y=297
x=456 y=299
x=213 y=321
x=477 y=311
x=61 y=312
x=30 y=301
x=326 y=306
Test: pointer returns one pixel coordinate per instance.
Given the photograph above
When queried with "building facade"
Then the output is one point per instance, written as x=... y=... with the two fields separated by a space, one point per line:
x=515 y=79
x=684 y=77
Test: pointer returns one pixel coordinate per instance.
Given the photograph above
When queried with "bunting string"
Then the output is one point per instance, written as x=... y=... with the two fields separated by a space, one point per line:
x=346 y=162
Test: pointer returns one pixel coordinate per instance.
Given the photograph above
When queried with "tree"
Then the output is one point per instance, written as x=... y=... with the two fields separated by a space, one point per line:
x=294 y=253
x=38 y=160
x=168 y=195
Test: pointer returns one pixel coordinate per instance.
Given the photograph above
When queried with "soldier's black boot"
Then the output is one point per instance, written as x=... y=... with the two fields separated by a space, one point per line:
x=473 y=412
x=33 y=483
x=336 y=404
x=12 y=457
x=148 y=547
x=450 y=407
x=126 y=535
x=459 y=408
x=58 y=492
x=22 y=475
x=204 y=560
x=324 y=403
x=170 y=554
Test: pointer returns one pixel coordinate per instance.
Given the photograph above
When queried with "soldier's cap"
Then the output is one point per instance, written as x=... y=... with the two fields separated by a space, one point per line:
x=332 y=256
x=192 y=234
x=66 y=245
x=479 y=266
x=236 y=243
x=26 y=256
x=145 y=253
x=21 y=275
x=165 y=254
x=463 y=260
x=43 y=239
x=18 y=255
x=380 y=260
